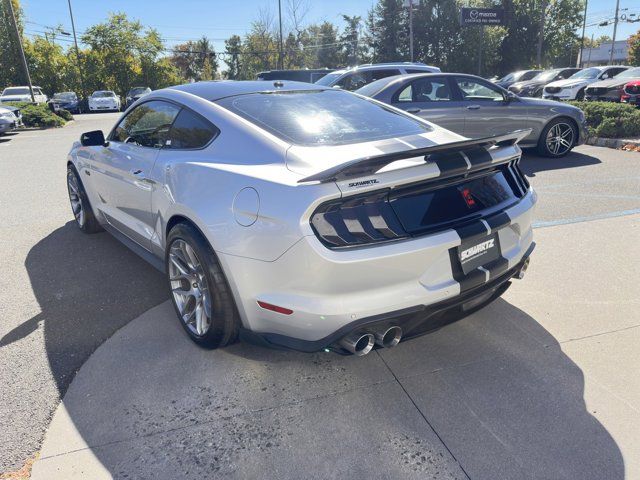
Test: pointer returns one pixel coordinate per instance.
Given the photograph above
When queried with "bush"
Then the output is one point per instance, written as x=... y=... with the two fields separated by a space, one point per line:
x=39 y=115
x=65 y=114
x=611 y=120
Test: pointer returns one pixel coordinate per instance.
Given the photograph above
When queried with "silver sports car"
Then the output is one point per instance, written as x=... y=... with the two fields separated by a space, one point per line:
x=304 y=217
x=475 y=107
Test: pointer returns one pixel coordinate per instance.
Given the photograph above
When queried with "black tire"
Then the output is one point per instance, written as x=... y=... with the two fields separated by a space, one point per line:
x=89 y=223
x=544 y=149
x=225 y=321
x=580 y=95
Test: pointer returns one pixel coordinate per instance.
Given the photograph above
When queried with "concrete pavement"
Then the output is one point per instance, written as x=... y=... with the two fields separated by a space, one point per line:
x=541 y=384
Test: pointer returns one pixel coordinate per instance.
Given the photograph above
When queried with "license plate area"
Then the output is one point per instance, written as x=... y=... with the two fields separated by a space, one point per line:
x=477 y=253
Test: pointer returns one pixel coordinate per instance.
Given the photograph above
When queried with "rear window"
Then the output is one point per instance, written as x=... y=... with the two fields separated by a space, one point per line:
x=325 y=117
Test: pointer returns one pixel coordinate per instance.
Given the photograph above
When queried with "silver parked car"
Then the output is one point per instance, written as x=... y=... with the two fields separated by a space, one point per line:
x=306 y=217
x=474 y=107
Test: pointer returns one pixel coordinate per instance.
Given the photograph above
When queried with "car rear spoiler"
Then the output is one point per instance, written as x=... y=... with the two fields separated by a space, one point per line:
x=370 y=165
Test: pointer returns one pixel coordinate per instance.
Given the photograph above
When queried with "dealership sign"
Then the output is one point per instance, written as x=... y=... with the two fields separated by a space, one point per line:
x=481 y=16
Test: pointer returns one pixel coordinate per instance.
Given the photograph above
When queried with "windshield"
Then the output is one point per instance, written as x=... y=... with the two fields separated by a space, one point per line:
x=17 y=91
x=103 y=94
x=546 y=75
x=137 y=91
x=587 y=73
x=508 y=78
x=373 y=88
x=322 y=117
x=631 y=73
x=329 y=79
x=65 y=96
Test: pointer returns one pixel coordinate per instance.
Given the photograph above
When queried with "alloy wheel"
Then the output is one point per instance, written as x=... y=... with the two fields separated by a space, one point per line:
x=76 y=199
x=560 y=138
x=189 y=287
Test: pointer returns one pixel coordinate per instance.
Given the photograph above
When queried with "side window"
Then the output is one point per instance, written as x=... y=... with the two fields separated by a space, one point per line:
x=354 y=81
x=528 y=75
x=612 y=72
x=413 y=70
x=426 y=90
x=190 y=131
x=147 y=125
x=378 y=74
x=473 y=90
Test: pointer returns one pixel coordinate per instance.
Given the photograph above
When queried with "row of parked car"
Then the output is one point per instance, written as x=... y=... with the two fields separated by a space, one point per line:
x=100 y=100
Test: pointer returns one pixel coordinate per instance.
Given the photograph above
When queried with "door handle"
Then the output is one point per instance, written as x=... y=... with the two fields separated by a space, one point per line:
x=413 y=110
x=136 y=171
x=473 y=107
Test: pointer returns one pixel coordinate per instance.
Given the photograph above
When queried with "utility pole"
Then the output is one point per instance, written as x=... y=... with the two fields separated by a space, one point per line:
x=584 y=25
x=480 y=47
x=411 y=29
x=541 y=37
x=75 y=40
x=615 y=29
x=24 y=60
x=280 y=55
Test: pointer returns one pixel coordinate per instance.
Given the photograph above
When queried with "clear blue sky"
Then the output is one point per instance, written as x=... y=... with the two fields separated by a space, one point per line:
x=181 y=20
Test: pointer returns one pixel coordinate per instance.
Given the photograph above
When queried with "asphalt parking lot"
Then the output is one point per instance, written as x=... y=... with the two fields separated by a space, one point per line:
x=541 y=384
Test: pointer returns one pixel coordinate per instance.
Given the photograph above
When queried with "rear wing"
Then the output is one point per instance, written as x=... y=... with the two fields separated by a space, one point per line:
x=472 y=153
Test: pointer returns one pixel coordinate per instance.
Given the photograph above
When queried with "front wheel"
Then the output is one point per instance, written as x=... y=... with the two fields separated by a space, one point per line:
x=557 y=138
x=200 y=292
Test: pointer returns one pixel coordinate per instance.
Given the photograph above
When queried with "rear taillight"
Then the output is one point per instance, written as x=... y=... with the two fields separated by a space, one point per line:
x=356 y=221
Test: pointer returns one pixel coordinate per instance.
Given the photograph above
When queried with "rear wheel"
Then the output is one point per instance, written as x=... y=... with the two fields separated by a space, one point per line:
x=557 y=138
x=199 y=290
x=80 y=206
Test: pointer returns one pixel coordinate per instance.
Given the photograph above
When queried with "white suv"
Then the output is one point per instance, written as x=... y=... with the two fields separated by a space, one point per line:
x=22 y=94
x=357 y=77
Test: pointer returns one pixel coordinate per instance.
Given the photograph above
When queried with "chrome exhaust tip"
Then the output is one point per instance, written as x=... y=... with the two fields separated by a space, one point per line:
x=388 y=338
x=523 y=269
x=358 y=344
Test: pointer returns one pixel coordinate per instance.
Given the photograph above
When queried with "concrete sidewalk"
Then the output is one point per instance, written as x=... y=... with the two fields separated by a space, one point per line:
x=541 y=384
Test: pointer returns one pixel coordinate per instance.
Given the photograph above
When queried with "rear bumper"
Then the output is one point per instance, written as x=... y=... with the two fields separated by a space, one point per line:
x=414 y=321
x=330 y=291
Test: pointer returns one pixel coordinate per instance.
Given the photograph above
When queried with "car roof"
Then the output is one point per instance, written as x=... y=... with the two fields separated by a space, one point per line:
x=216 y=89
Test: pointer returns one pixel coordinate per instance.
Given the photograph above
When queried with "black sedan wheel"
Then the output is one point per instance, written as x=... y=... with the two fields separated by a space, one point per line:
x=558 y=138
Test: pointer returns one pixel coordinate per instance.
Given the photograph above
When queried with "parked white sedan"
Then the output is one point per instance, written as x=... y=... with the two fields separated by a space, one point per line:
x=104 y=100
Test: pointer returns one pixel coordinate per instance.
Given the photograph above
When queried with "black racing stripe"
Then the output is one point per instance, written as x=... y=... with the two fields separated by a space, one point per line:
x=497 y=267
x=498 y=221
x=478 y=157
x=449 y=163
x=471 y=231
x=471 y=280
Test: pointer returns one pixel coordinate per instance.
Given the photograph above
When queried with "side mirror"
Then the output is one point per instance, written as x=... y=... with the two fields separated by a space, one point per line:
x=511 y=96
x=93 y=139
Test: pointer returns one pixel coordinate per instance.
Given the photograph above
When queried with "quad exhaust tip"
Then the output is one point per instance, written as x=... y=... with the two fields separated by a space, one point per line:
x=358 y=344
x=388 y=338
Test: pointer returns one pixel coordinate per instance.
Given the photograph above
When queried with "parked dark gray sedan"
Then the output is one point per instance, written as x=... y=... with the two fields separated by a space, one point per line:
x=474 y=107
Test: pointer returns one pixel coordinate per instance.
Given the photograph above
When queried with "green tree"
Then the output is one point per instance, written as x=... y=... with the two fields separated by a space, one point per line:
x=11 y=72
x=323 y=45
x=634 y=49
x=387 y=36
x=354 y=50
x=48 y=65
x=233 y=47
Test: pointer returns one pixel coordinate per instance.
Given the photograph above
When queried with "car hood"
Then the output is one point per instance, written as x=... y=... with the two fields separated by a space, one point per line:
x=612 y=82
x=103 y=99
x=540 y=102
x=16 y=98
x=568 y=82
x=527 y=84
x=633 y=82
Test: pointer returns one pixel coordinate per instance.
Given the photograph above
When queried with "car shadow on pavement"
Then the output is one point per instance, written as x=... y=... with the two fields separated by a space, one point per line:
x=531 y=162
x=87 y=287
x=496 y=388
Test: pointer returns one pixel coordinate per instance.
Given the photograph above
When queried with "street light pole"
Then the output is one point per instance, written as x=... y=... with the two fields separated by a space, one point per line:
x=75 y=40
x=584 y=25
x=615 y=29
x=411 y=29
x=24 y=59
x=281 y=55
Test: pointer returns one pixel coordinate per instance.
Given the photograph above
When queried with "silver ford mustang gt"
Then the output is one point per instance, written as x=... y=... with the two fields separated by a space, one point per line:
x=304 y=217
